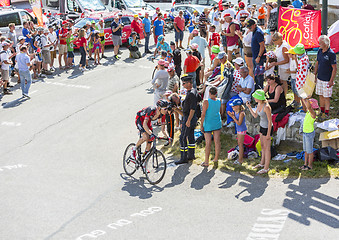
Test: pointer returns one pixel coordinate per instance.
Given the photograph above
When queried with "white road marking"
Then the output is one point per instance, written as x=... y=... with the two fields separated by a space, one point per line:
x=269 y=224
x=118 y=224
x=4 y=168
x=11 y=124
x=68 y=85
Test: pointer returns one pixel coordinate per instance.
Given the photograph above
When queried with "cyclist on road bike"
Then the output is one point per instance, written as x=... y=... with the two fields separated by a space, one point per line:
x=144 y=120
x=161 y=45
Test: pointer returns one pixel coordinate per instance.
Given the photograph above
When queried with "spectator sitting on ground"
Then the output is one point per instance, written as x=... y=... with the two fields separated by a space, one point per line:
x=133 y=48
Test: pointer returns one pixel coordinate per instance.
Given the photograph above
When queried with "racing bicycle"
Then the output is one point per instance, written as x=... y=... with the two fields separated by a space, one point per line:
x=153 y=164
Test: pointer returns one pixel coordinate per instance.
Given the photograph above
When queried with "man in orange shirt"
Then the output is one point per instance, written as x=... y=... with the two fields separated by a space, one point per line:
x=190 y=66
x=262 y=15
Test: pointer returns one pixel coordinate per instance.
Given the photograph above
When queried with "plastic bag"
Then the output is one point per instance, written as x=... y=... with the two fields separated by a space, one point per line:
x=327 y=154
x=198 y=136
x=281 y=135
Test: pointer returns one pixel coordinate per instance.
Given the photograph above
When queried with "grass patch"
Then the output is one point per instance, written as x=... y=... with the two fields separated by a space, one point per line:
x=278 y=169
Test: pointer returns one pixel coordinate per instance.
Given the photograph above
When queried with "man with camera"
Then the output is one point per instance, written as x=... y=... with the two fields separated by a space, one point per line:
x=116 y=27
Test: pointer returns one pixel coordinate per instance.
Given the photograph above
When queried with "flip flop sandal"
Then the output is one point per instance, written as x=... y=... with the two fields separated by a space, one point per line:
x=262 y=171
x=258 y=166
x=303 y=167
x=204 y=164
x=236 y=162
x=306 y=168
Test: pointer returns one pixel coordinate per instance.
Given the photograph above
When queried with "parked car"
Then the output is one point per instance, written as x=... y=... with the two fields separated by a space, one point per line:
x=16 y=16
x=190 y=8
x=108 y=18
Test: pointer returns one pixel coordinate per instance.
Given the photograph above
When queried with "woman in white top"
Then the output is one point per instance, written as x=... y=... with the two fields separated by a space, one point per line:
x=283 y=61
x=246 y=39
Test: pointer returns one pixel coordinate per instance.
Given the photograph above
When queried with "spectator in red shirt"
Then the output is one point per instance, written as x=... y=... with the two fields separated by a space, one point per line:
x=214 y=39
x=179 y=25
x=135 y=25
x=63 y=44
x=190 y=66
x=306 y=5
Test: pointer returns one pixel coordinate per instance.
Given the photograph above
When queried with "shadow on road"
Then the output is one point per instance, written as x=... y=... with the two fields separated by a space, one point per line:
x=203 y=178
x=139 y=187
x=15 y=103
x=307 y=203
x=254 y=186
x=179 y=174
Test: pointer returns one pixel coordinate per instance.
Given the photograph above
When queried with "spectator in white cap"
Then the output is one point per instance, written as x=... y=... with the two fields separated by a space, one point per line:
x=53 y=39
x=5 y=56
x=46 y=55
x=238 y=63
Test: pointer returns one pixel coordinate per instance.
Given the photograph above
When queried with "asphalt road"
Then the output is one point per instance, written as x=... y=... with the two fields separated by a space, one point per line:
x=62 y=178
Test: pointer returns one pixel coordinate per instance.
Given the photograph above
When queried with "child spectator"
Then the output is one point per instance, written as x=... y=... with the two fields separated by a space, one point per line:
x=266 y=128
x=270 y=58
x=293 y=72
x=214 y=39
x=308 y=132
x=70 y=48
x=96 y=47
x=133 y=48
x=239 y=117
x=211 y=119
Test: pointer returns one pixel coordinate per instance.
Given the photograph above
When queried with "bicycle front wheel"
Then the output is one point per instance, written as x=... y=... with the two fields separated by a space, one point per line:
x=155 y=167
x=129 y=163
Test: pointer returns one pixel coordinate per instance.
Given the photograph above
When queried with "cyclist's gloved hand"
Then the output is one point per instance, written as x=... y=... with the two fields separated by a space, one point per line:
x=151 y=137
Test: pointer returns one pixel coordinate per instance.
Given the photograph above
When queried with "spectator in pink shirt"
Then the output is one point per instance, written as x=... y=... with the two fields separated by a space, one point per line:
x=179 y=25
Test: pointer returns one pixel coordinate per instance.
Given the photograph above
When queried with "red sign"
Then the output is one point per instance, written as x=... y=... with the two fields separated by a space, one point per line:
x=5 y=3
x=300 y=26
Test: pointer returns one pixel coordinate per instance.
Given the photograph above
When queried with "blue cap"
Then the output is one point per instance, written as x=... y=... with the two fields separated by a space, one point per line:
x=236 y=102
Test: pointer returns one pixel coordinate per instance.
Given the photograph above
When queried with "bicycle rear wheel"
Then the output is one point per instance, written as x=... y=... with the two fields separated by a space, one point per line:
x=155 y=167
x=129 y=164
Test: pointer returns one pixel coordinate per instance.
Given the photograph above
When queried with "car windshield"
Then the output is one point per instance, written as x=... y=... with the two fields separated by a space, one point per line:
x=92 y=5
x=83 y=21
x=135 y=3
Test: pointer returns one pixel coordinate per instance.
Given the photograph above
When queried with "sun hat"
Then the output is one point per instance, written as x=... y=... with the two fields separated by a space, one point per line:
x=314 y=103
x=238 y=61
x=251 y=22
x=160 y=38
x=221 y=55
x=291 y=51
x=195 y=31
x=299 y=48
x=194 y=46
x=236 y=102
x=5 y=44
x=101 y=20
x=88 y=23
x=172 y=43
x=259 y=94
x=270 y=54
x=92 y=21
x=120 y=14
x=157 y=9
x=136 y=15
x=21 y=38
x=170 y=68
x=189 y=51
x=215 y=49
x=162 y=62
x=46 y=30
x=64 y=22
x=241 y=4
